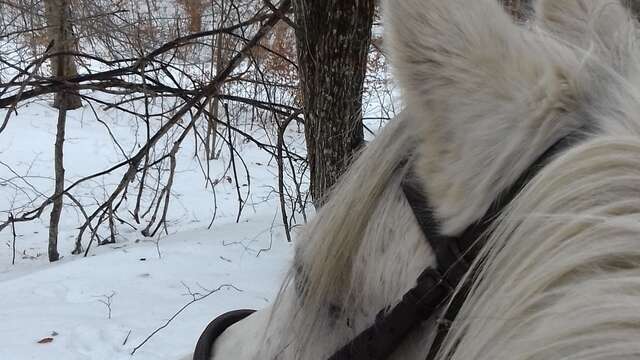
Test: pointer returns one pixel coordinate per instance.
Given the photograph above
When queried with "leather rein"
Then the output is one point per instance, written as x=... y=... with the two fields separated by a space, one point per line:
x=435 y=286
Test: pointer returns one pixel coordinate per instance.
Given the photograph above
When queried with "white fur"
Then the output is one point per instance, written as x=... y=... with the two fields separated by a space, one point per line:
x=560 y=277
x=489 y=97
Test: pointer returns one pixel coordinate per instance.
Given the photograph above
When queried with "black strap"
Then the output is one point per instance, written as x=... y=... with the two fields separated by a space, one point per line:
x=390 y=328
x=449 y=257
x=469 y=243
x=215 y=329
x=454 y=254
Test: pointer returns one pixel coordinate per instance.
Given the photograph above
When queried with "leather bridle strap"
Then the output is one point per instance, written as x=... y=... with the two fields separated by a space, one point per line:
x=471 y=241
x=391 y=327
x=434 y=287
x=215 y=329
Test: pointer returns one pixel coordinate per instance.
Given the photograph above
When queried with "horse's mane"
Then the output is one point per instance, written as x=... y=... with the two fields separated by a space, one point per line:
x=559 y=278
x=323 y=276
x=329 y=243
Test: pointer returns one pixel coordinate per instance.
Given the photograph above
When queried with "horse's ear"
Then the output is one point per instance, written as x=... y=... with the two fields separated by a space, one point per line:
x=484 y=93
x=603 y=26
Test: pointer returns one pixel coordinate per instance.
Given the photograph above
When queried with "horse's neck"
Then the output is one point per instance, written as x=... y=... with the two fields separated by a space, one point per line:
x=394 y=252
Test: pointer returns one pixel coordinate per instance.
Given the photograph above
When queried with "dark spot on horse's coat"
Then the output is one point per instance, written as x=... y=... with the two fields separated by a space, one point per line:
x=300 y=278
x=334 y=311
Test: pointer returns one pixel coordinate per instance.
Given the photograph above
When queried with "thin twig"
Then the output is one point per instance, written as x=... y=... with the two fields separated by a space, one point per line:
x=13 y=245
x=184 y=307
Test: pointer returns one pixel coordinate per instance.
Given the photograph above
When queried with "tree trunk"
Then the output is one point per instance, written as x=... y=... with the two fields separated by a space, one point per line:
x=214 y=104
x=219 y=57
x=59 y=30
x=333 y=38
x=54 y=220
x=634 y=6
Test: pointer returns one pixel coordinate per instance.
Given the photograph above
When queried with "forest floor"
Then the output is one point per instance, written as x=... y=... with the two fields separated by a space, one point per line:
x=104 y=305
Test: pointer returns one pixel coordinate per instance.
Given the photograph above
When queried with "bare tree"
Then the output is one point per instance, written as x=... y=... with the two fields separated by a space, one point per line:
x=62 y=41
x=60 y=33
x=165 y=90
x=219 y=54
x=193 y=9
x=333 y=39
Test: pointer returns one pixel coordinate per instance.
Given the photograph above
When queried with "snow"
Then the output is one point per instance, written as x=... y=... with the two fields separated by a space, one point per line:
x=149 y=279
x=64 y=298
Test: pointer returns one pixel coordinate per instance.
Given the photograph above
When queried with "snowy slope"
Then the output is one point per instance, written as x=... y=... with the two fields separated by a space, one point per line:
x=64 y=298
x=149 y=280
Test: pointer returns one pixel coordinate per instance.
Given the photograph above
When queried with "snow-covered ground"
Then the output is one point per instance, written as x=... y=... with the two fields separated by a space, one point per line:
x=60 y=311
x=104 y=305
x=65 y=299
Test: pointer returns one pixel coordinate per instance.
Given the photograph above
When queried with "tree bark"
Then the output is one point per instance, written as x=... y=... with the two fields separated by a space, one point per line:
x=333 y=38
x=634 y=6
x=59 y=30
x=217 y=63
x=60 y=33
x=212 y=123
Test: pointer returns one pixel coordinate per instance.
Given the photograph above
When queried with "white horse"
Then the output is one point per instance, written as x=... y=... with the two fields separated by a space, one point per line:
x=559 y=275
